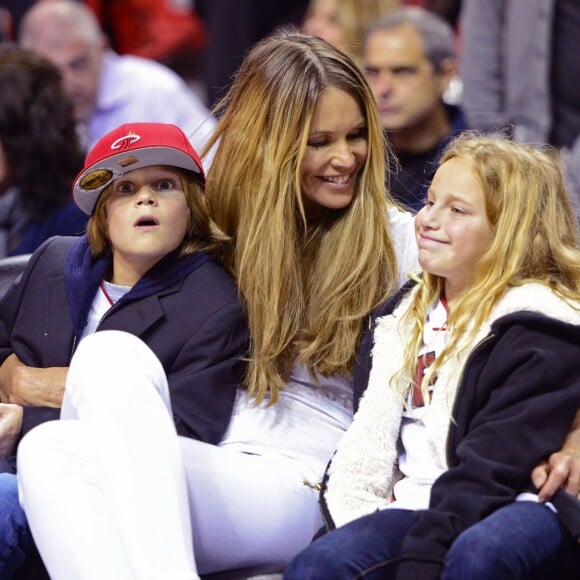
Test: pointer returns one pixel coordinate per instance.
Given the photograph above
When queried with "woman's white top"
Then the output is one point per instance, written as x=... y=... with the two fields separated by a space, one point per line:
x=310 y=416
x=304 y=425
x=403 y=233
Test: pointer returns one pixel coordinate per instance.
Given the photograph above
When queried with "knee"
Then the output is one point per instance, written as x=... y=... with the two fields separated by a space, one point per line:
x=470 y=551
x=108 y=367
x=31 y=448
x=314 y=563
x=476 y=554
x=507 y=544
x=116 y=347
x=36 y=454
x=12 y=518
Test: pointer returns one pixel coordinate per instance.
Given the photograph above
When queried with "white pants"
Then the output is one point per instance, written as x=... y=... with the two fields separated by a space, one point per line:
x=111 y=491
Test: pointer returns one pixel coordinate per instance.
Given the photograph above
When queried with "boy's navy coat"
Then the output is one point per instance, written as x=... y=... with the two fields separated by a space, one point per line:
x=196 y=327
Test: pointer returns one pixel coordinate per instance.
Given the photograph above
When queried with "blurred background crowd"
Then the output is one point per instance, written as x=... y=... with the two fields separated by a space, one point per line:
x=205 y=40
x=436 y=68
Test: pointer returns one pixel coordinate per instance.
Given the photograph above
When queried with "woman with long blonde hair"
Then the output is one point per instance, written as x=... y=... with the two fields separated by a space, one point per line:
x=475 y=374
x=310 y=273
x=315 y=245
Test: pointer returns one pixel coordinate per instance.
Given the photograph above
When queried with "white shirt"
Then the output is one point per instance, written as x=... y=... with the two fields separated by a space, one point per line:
x=309 y=418
x=305 y=424
x=134 y=89
x=403 y=234
x=107 y=295
x=417 y=460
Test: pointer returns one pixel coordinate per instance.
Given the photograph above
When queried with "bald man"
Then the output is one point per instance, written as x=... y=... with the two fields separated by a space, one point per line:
x=108 y=89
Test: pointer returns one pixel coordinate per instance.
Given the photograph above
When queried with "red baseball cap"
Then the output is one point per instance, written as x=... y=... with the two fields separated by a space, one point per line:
x=129 y=147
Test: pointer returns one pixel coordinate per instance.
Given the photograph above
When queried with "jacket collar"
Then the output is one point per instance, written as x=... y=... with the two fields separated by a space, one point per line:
x=83 y=274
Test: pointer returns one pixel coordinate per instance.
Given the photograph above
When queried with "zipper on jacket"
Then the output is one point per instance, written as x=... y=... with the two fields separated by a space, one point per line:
x=325 y=513
x=73 y=348
x=106 y=315
x=322 y=507
x=315 y=486
x=474 y=351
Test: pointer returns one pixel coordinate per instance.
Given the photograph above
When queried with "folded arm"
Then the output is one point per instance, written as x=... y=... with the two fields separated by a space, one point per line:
x=24 y=385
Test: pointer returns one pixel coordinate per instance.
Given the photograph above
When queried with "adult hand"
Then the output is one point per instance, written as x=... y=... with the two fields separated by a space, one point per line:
x=24 y=385
x=562 y=468
x=7 y=377
x=10 y=427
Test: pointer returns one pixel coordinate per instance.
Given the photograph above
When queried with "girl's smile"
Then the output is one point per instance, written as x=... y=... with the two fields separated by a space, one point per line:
x=452 y=230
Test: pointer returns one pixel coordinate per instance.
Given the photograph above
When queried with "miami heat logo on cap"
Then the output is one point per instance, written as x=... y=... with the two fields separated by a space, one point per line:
x=129 y=147
x=125 y=141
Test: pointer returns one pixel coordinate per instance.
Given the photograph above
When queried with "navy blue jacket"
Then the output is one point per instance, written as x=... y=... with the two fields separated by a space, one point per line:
x=196 y=326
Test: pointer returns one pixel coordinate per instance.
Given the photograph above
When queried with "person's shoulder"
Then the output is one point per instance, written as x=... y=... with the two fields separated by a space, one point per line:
x=56 y=246
x=148 y=71
x=212 y=285
x=535 y=301
x=401 y=221
x=143 y=86
x=49 y=258
x=403 y=233
x=395 y=301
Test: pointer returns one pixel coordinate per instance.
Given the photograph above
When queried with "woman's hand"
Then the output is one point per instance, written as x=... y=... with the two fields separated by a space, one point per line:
x=24 y=385
x=10 y=427
x=562 y=469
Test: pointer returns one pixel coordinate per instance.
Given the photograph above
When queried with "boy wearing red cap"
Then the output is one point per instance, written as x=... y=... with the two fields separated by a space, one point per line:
x=144 y=268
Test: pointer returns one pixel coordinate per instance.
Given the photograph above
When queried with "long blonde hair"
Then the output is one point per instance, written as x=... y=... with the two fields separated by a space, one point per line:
x=308 y=288
x=535 y=240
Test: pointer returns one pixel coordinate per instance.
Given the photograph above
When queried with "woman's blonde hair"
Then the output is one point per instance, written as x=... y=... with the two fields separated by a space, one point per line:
x=201 y=234
x=308 y=287
x=535 y=240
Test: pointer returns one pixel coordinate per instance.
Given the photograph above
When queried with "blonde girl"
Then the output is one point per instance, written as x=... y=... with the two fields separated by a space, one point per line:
x=475 y=372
